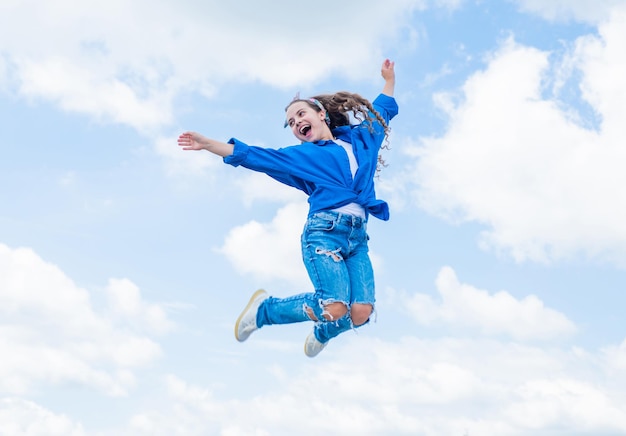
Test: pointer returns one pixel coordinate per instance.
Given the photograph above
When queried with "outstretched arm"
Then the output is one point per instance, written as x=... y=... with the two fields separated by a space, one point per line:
x=195 y=141
x=388 y=73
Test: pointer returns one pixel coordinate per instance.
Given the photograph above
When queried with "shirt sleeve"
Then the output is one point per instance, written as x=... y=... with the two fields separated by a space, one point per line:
x=371 y=132
x=282 y=165
x=386 y=106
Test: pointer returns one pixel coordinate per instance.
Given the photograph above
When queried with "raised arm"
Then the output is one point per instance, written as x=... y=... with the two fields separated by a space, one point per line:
x=195 y=141
x=388 y=73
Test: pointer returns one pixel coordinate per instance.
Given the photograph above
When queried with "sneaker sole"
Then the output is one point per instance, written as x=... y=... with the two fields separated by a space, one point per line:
x=312 y=355
x=252 y=299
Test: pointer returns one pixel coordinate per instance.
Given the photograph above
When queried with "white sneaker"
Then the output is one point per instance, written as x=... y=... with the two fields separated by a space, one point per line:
x=246 y=323
x=312 y=346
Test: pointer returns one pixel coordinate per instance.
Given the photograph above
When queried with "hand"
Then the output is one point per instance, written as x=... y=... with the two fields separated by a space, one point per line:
x=387 y=70
x=389 y=74
x=192 y=141
x=195 y=141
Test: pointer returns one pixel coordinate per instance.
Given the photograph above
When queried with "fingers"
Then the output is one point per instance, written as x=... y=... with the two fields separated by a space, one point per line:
x=185 y=140
x=387 y=70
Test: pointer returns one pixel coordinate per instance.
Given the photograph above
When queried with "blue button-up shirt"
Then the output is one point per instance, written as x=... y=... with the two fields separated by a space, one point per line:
x=321 y=169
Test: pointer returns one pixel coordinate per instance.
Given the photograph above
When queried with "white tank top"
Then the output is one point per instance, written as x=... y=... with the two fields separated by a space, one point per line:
x=350 y=208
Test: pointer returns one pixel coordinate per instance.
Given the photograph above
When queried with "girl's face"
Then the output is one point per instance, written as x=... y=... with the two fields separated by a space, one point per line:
x=306 y=123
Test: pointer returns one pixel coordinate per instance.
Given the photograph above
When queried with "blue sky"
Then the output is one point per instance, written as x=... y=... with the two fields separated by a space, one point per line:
x=124 y=261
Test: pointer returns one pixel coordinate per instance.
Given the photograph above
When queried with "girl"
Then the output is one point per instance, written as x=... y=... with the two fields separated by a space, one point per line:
x=335 y=166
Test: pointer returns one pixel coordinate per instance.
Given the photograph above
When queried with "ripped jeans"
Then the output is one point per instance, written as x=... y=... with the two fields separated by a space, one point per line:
x=335 y=253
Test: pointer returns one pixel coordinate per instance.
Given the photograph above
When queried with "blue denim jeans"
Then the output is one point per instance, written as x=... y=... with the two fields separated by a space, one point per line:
x=335 y=253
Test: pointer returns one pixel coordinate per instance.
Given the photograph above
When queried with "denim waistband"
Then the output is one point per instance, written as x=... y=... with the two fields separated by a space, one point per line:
x=341 y=218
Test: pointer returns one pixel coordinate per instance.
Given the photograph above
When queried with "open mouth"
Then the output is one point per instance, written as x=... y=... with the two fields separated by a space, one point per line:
x=304 y=130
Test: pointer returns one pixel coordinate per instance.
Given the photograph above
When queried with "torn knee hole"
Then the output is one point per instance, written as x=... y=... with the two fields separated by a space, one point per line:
x=310 y=313
x=334 y=311
x=360 y=313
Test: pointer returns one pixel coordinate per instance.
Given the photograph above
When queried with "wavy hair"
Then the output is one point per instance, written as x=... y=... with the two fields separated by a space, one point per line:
x=339 y=105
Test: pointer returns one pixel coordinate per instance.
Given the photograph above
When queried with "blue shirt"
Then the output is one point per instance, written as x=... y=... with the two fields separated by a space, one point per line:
x=321 y=169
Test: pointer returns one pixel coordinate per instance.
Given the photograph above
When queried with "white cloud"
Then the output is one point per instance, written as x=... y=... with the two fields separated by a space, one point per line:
x=270 y=250
x=459 y=386
x=22 y=417
x=125 y=300
x=468 y=386
x=541 y=403
x=51 y=332
x=499 y=313
x=125 y=62
x=76 y=88
x=615 y=356
x=519 y=163
x=602 y=61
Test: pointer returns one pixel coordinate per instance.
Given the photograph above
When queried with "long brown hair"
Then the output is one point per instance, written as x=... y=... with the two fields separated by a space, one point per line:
x=340 y=104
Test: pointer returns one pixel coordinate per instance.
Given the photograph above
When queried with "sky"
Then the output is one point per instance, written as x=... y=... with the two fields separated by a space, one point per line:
x=125 y=261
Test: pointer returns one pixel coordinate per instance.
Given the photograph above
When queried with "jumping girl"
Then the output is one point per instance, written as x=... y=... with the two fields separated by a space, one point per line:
x=335 y=165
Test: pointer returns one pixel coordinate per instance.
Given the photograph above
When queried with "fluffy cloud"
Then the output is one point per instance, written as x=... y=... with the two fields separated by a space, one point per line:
x=500 y=313
x=270 y=250
x=412 y=386
x=51 y=332
x=126 y=302
x=479 y=384
x=131 y=59
x=26 y=418
x=539 y=404
x=518 y=158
